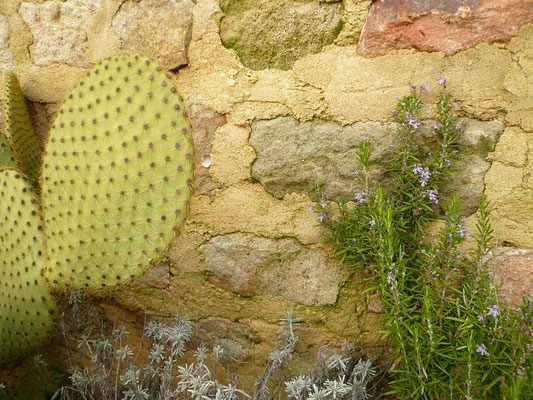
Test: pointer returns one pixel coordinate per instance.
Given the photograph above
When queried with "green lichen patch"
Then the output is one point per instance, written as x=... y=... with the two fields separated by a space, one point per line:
x=27 y=311
x=117 y=175
x=276 y=33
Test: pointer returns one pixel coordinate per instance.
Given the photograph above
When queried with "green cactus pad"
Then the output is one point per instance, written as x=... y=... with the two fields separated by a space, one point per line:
x=27 y=311
x=19 y=130
x=6 y=156
x=117 y=175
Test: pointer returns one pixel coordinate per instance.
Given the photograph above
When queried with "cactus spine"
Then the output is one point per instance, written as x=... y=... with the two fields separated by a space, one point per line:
x=27 y=310
x=117 y=174
x=19 y=130
x=116 y=185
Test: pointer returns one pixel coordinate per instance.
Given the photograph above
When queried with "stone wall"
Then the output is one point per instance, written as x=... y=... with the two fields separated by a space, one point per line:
x=279 y=93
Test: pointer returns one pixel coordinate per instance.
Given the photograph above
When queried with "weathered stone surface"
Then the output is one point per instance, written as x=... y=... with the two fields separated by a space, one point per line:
x=7 y=61
x=204 y=122
x=159 y=29
x=513 y=272
x=476 y=140
x=235 y=338
x=353 y=20
x=251 y=265
x=441 y=25
x=59 y=30
x=509 y=187
x=275 y=33
x=249 y=208
x=374 y=304
x=293 y=156
x=518 y=79
x=232 y=156
x=158 y=277
x=487 y=81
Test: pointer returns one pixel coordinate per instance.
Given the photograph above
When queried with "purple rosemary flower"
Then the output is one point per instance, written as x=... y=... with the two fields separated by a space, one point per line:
x=481 y=349
x=372 y=222
x=424 y=173
x=442 y=80
x=412 y=121
x=480 y=317
x=360 y=197
x=389 y=277
x=432 y=194
x=322 y=217
x=493 y=310
x=424 y=86
x=448 y=163
x=424 y=176
x=462 y=231
x=322 y=203
x=310 y=207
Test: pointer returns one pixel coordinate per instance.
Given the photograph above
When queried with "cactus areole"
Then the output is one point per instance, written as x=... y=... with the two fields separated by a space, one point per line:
x=27 y=310
x=19 y=130
x=117 y=175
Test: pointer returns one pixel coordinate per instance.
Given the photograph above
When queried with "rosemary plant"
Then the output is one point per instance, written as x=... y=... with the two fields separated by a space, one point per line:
x=451 y=337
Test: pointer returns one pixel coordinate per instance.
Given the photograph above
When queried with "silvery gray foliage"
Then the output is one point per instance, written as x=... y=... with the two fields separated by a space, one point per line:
x=114 y=374
x=335 y=377
x=278 y=356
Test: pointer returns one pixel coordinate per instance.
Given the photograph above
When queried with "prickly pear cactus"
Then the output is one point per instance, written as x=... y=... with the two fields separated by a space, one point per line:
x=117 y=174
x=19 y=130
x=6 y=156
x=27 y=311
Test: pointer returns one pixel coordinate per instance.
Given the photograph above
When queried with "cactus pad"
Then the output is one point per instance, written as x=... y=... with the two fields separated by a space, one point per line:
x=6 y=156
x=27 y=311
x=116 y=176
x=19 y=130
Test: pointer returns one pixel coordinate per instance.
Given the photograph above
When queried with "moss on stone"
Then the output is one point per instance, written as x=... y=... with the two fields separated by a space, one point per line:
x=274 y=34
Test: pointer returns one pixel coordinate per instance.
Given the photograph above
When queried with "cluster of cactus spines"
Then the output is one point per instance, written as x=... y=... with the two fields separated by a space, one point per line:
x=19 y=129
x=27 y=311
x=6 y=155
x=117 y=175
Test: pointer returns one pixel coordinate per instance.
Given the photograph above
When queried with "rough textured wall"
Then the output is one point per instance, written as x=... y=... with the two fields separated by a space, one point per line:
x=280 y=109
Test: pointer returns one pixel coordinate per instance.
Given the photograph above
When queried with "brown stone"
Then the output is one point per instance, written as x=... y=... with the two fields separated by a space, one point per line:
x=251 y=265
x=59 y=30
x=204 y=122
x=235 y=338
x=7 y=61
x=513 y=273
x=374 y=304
x=441 y=25
x=159 y=29
x=159 y=277
x=293 y=156
x=275 y=33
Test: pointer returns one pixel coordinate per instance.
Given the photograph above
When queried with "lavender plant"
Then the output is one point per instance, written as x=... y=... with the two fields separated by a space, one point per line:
x=451 y=336
x=339 y=376
x=114 y=373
